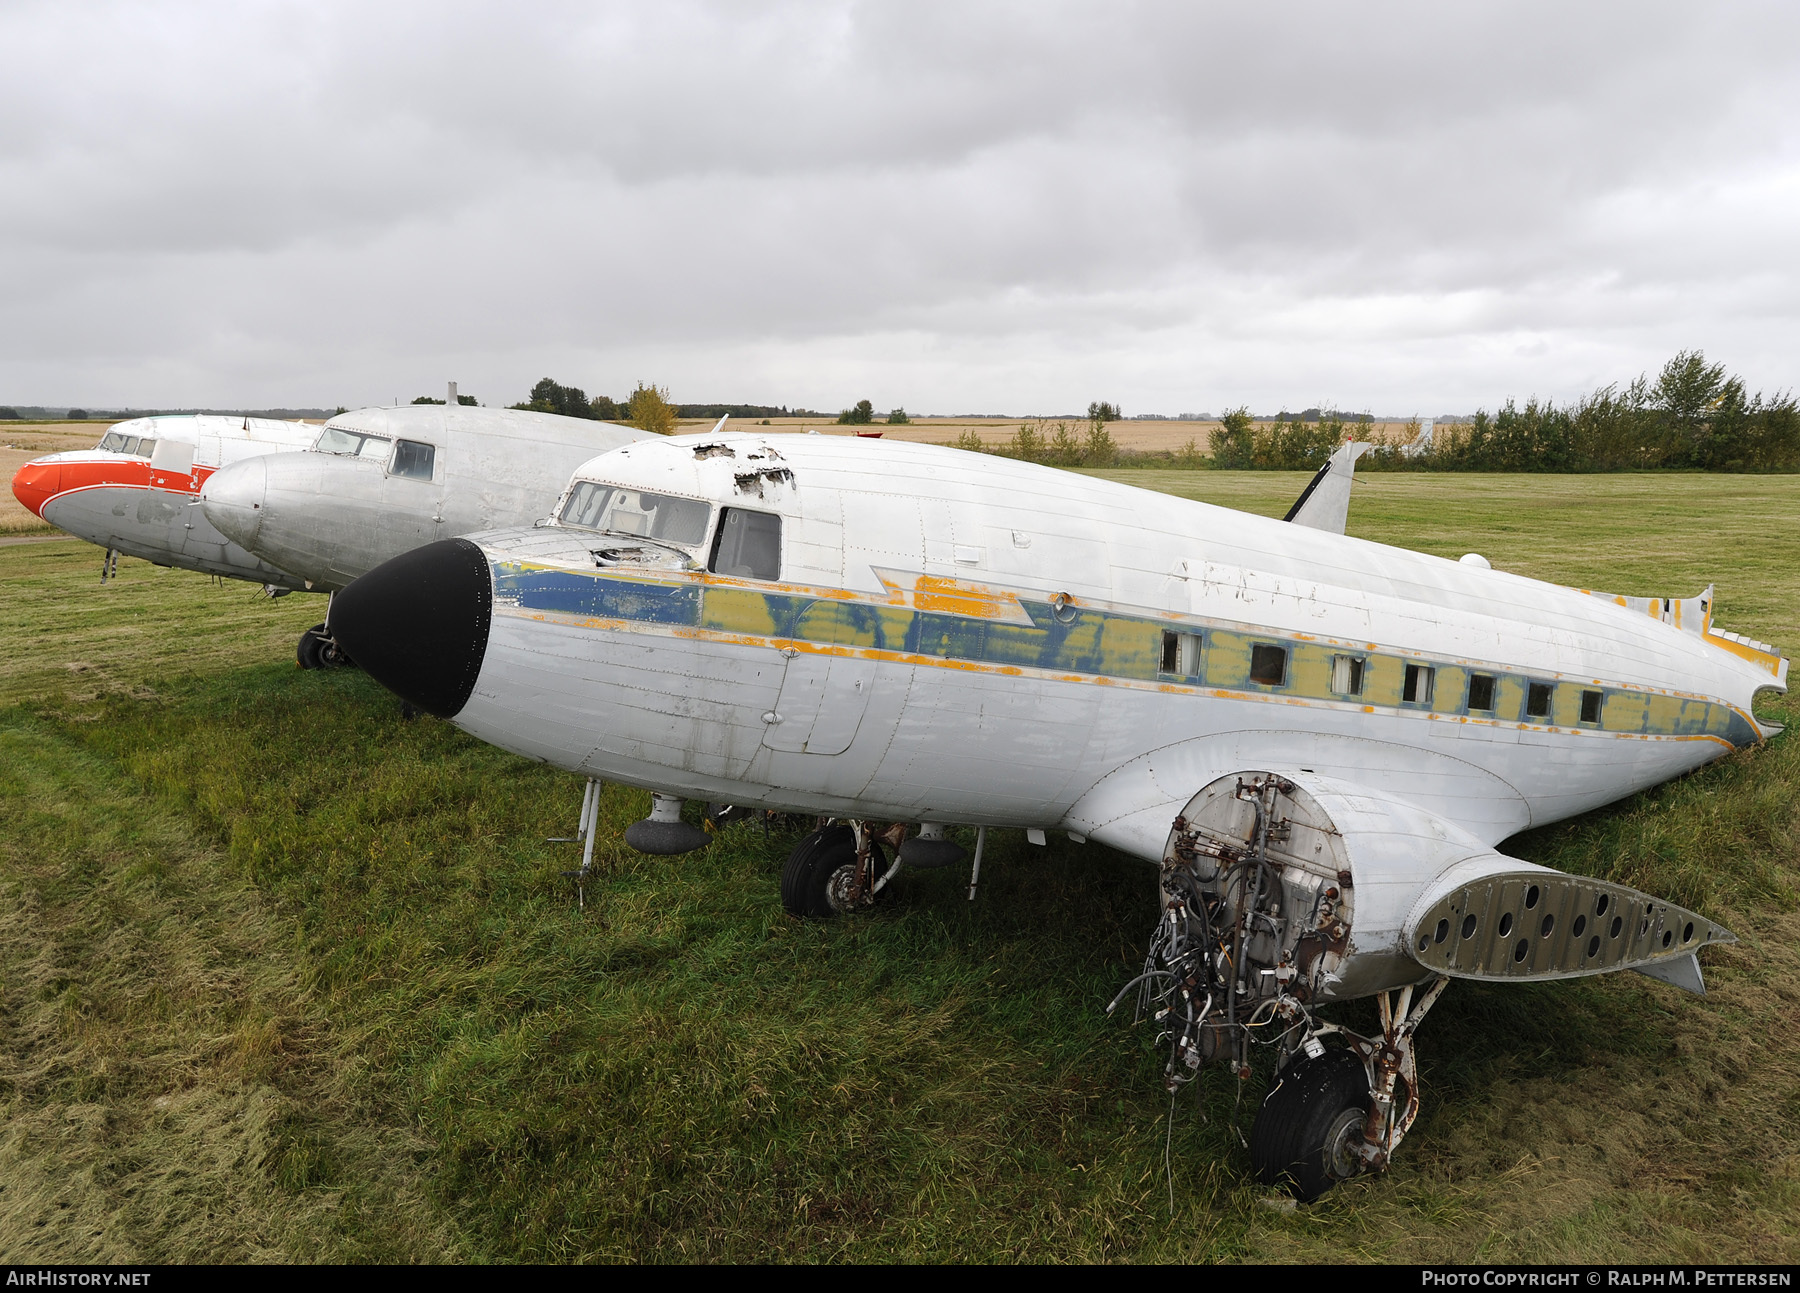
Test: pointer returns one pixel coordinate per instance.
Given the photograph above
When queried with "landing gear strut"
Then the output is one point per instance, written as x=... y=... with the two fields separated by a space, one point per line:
x=1332 y=1114
x=1258 y=904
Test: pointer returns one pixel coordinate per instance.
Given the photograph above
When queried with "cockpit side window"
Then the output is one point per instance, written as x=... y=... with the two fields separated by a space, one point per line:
x=664 y=517
x=413 y=460
x=748 y=545
x=353 y=443
x=119 y=442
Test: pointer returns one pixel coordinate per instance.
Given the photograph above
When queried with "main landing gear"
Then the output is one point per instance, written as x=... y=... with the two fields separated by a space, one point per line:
x=1334 y=1113
x=842 y=866
x=1258 y=907
x=838 y=868
x=319 y=650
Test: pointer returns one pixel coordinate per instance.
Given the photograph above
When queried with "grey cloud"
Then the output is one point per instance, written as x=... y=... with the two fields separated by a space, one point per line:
x=987 y=206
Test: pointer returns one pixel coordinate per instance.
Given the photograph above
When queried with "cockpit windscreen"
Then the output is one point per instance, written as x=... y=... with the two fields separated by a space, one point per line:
x=663 y=517
x=353 y=443
x=134 y=446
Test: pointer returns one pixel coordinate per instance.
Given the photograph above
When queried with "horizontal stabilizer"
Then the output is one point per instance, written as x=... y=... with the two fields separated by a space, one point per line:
x=1497 y=918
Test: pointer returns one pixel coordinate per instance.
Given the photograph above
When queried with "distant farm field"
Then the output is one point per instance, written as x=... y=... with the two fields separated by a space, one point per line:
x=285 y=977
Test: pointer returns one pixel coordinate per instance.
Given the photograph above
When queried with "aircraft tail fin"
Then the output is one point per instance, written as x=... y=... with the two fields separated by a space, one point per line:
x=1325 y=502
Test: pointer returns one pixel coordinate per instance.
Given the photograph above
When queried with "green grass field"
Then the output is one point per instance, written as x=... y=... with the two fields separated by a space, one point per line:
x=284 y=977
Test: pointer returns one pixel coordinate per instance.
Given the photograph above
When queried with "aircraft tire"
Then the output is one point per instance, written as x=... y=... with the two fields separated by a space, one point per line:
x=1309 y=1123
x=310 y=653
x=319 y=651
x=806 y=880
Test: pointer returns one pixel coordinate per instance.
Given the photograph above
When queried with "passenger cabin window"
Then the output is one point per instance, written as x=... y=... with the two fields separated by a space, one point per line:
x=353 y=444
x=1268 y=665
x=413 y=460
x=1417 y=688
x=1347 y=675
x=613 y=510
x=1537 y=700
x=1481 y=691
x=1590 y=707
x=748 y=545
x=1181 y=653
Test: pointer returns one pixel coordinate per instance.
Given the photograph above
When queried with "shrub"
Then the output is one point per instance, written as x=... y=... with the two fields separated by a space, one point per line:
x=650 y=410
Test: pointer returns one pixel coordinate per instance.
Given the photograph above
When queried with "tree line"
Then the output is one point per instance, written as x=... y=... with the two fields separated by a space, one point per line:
x=1694 y=416
x=1054 y=444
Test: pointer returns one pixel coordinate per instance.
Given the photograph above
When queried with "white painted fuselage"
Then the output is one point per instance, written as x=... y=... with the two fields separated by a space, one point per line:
x=963 y=638
x=131 y=494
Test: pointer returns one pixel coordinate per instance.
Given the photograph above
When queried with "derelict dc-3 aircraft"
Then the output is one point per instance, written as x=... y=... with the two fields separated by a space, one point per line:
x=381 y=481
x=1317 y=739
x=294 y=506
x=132 y=492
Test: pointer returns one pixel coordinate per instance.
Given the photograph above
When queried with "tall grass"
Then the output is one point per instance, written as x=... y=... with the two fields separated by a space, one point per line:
x=285 y=976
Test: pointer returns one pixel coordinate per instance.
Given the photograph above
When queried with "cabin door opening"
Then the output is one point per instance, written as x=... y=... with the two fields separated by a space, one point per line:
x=822 y=702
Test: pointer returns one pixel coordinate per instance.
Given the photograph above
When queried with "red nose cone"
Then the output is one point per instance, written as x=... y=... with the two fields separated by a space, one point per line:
x=36 y=483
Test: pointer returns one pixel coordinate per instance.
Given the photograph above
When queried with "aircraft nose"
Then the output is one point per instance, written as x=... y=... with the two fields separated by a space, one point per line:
x=418 y=624
x=233 y=498
x=36 y=483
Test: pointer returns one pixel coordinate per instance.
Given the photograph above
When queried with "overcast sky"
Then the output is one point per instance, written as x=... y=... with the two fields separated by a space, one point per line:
x=955 y=208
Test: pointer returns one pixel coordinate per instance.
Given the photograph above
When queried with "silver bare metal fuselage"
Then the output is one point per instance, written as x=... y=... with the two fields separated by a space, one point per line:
x=326 y=518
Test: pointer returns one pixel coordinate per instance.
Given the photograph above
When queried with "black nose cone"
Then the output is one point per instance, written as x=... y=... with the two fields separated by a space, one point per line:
x=418 y=624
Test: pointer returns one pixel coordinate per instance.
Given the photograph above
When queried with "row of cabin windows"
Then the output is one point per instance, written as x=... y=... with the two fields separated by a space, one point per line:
x=747 y=545
x=1268 y=668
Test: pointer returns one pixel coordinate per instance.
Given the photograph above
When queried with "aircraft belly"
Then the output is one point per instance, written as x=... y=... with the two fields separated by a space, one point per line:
x=1567 y=773
x=157 y=526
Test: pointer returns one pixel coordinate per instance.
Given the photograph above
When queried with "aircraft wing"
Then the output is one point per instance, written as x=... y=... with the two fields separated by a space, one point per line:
x=1419 y=888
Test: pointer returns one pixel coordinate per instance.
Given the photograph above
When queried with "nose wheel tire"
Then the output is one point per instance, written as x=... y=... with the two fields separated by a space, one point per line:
x=1310 y=1125
x=820 y=873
